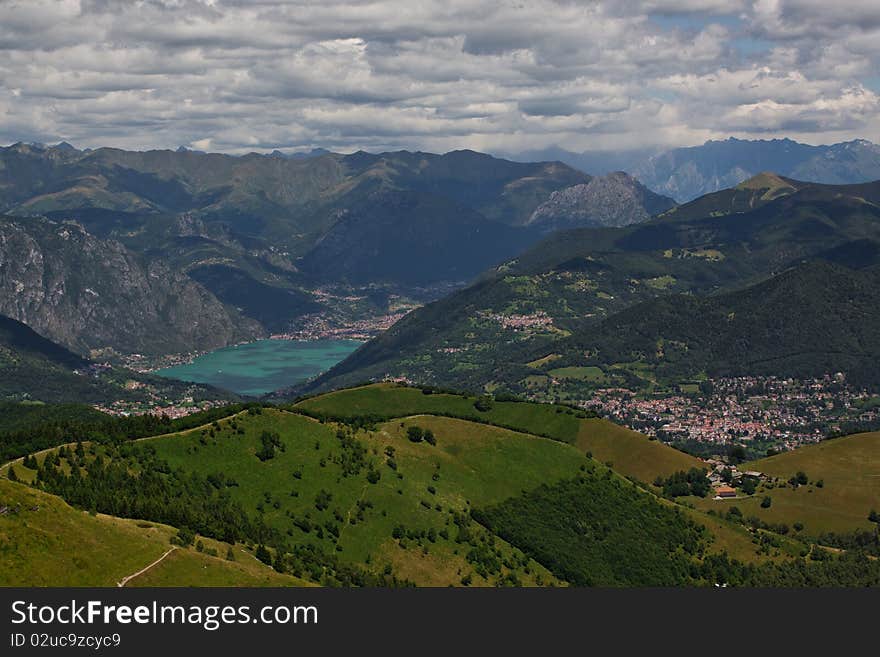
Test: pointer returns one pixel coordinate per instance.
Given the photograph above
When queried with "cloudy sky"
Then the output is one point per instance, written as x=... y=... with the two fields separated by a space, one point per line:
x=502 y=76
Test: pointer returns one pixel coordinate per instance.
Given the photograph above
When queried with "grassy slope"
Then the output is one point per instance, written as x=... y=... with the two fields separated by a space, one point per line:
x=473 y=464
x=477 y=464
x=632 y=453
x=390 y=400
x=629 y=452
x=49 y=543
x=190 y=568
x=850 y=470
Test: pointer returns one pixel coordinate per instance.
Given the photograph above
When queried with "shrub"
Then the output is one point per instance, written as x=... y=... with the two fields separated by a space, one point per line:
x=484 y=404
x=185 y=537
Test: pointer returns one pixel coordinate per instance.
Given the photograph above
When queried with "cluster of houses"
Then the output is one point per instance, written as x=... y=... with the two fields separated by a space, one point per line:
x=725 y=477
x=537 y=320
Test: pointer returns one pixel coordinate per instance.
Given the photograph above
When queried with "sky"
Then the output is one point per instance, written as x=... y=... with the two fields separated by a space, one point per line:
x=503 y=76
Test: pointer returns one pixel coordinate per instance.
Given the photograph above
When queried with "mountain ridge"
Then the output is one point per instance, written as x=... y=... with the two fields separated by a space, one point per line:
x=686 y=173
x=483 y=337
x=615 y=199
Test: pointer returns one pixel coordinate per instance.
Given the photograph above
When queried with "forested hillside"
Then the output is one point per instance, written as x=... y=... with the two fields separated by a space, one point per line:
x=508 y=329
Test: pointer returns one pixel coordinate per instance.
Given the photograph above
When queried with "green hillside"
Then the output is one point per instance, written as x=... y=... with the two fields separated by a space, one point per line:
x=849 y=471
x=631 y=453
x=387 y=401
x=744 y=197
x=806 y=322
x=393 y=489
x=45 y=542
x=375 y=500
x=357 y=522
x=559 y=293
x=31 y=365
x=24 y=416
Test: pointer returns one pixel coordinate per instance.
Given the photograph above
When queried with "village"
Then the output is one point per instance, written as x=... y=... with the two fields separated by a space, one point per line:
x=172 y=409
x=319 y=326
x=786 y=413
x=535 y=321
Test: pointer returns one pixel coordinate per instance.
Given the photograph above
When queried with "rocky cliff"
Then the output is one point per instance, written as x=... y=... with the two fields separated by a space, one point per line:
x=92 y=294
x=617 y=199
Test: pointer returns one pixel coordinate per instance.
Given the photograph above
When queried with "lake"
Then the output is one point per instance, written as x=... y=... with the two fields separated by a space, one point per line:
x=263 y=366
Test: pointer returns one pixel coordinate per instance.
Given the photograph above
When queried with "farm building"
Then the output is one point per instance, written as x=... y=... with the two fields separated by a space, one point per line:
x=725 y=491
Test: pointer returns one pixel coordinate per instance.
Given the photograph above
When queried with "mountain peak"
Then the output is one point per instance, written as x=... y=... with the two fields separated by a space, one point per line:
x=64 y=146
x=767 y=180
x=615 y=199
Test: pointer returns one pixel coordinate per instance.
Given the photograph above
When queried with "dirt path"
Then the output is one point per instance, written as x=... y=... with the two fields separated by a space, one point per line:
x=348 y=515
x=126 y=580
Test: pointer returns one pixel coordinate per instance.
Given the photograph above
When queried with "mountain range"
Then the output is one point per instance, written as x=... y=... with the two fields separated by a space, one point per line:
x=191 y=251
x=542 y=310
x=687 y=173
x=93 y=295
x=117 y=252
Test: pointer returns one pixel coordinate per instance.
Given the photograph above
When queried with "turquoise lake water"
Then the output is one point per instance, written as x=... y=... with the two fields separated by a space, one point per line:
x=263 y=366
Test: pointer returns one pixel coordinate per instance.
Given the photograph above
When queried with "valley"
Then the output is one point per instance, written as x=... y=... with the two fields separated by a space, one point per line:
x=698 y=273
x=433 y=370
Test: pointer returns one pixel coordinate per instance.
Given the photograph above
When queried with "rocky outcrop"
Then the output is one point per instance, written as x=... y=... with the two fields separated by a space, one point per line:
x=92 y=294
x=617 y=199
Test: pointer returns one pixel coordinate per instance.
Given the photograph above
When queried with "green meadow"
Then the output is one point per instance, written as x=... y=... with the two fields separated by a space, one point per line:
x=843 y=486
x=632 y=453
x=470 y=464
x=388 y=479
x=49 y=543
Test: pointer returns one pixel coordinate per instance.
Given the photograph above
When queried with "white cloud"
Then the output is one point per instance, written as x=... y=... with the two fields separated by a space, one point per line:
x=347 y=74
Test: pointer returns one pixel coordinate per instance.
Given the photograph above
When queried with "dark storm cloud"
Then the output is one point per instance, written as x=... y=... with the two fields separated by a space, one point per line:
x=255 y=75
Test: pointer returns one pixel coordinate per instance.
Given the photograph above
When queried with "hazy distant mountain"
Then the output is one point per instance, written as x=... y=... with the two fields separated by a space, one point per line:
x=595 y=163
x=687 y=173
x=301 y=155
x=288 y=200
x=616 y=199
